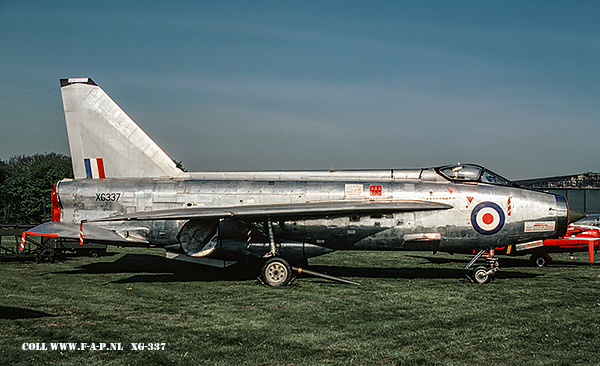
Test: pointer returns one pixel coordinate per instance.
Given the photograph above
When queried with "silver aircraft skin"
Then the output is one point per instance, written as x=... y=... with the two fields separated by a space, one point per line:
x=128 y=192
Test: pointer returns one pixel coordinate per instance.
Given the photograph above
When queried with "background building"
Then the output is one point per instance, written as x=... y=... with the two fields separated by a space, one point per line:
x=582 y=190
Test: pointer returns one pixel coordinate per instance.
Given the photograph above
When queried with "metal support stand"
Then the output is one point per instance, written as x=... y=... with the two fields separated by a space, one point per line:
x=325 y=276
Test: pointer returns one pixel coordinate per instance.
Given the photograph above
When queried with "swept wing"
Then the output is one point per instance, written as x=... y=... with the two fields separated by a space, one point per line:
x=92 y=232
x=284 y=211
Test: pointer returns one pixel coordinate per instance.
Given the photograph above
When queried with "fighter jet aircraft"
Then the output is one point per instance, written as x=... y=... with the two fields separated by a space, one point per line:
x=128 y=192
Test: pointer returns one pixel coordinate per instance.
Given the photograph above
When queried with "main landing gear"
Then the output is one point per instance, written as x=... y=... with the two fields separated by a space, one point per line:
x=278 y=272
x=483 y=274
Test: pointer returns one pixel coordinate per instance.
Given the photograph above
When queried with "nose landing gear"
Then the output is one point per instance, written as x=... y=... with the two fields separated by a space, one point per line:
x=483 y=274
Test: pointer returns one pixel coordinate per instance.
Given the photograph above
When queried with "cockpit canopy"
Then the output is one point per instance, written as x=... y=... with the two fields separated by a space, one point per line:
x=470 y=173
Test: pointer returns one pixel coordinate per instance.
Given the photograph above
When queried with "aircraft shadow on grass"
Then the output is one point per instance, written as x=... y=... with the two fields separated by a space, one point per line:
x=9 y=312
x=150 y=268
x=505 y=261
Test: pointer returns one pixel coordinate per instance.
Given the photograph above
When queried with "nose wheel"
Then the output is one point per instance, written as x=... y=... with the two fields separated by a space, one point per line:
x=483 y=274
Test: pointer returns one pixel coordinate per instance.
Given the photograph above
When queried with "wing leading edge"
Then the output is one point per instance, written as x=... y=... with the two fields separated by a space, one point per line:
x=284 y=211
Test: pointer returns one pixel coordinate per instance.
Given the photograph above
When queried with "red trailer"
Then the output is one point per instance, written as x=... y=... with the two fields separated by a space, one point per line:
x=579 y=238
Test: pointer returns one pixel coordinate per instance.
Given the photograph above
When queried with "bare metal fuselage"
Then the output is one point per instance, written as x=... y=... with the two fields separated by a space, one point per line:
x=450 y=229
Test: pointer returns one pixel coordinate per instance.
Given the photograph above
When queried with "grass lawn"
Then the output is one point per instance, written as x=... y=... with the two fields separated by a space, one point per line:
x=412 y=309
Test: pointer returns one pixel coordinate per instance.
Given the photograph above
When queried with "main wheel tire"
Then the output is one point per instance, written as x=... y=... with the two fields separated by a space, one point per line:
x=480 y=275
x=539 y=260
x=276 y=272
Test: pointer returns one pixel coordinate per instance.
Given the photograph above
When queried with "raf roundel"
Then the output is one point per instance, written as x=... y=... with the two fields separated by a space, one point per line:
x=487 y=218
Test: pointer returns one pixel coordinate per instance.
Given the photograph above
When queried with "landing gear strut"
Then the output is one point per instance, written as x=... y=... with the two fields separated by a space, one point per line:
x=273 y=250
x=483 y=274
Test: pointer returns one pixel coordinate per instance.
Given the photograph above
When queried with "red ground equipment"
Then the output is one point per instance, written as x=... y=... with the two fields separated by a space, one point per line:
x=579 y=238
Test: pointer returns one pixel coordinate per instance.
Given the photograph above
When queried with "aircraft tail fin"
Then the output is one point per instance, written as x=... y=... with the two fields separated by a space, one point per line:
x=104 y=141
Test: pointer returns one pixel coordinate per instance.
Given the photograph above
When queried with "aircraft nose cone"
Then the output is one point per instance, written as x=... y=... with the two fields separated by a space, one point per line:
x=575 y=215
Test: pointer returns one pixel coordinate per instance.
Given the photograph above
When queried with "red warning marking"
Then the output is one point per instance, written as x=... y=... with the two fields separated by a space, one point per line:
x=509 y=207
x=470 y=199
x=451 y=190
x=81 y=233
x=27 y=232
x=376 y=190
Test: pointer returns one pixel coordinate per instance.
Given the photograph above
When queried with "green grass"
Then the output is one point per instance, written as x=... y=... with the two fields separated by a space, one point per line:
x=412 y=309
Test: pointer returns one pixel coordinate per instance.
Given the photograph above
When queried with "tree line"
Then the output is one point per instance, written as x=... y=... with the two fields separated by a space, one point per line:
x=26 y=183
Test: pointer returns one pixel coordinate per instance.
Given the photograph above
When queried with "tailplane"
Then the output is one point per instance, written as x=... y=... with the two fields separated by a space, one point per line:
x=104 y=141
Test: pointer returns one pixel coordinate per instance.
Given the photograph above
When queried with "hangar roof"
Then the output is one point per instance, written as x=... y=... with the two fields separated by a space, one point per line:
x=588 y=180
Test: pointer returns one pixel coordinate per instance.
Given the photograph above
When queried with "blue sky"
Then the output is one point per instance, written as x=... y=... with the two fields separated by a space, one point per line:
x=294 y=85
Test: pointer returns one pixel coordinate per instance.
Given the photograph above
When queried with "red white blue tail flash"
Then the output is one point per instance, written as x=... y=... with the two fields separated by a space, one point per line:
x=94 y=168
